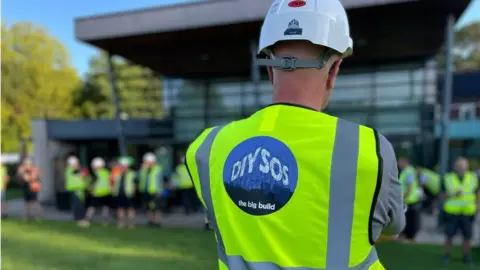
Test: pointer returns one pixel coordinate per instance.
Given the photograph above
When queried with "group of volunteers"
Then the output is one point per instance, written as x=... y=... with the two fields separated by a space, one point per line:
x=456 y=199
x=116 y=188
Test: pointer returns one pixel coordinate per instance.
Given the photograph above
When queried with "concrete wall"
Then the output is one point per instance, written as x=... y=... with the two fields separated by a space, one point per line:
x=41 y=159
x=48 y=155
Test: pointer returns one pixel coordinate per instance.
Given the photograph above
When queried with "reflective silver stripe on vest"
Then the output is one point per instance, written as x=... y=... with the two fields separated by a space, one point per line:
x=342 y=195
x=202 y=158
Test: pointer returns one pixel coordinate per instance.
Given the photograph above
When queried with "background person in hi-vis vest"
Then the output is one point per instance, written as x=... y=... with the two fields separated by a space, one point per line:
x=101 y=190
x=124 y=191
x=412 y=195
x=430 y=182
x=4 y=178
x=462 y=197
x=76 y=183
x=151 y=187
x=184 y=184
x=292 y=187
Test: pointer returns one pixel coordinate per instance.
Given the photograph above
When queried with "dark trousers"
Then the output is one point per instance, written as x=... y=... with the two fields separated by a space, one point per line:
x=188 y=199
x=78 y=207
x=428 y=203
x=413 y=221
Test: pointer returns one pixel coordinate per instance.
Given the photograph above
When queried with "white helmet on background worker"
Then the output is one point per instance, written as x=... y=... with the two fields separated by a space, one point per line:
x=322 y=22
x=72 y=160
x=98 y=162
x=149 y=158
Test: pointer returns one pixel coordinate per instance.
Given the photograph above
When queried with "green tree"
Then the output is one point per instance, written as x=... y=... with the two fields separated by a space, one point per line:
x=37 y=80
x=140 y=90
x=466 y=50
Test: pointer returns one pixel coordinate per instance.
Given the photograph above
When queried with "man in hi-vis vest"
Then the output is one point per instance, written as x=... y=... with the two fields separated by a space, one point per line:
x=101 y=190
x=412 y=195
x=462 y=197
x=151 y=187
x=76 y=184
x=291 y=187
x=123 y=193
x=4 y=179
x=185 y=186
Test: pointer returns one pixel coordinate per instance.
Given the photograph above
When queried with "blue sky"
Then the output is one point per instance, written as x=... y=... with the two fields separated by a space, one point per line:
x=57 y=16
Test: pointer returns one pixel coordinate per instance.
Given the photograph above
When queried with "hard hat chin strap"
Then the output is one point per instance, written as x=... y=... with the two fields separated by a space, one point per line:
x=290 y=63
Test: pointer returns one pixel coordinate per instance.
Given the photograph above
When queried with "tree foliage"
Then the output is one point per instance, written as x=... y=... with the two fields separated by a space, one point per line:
x=140 y=90
x=466 y=49
x=37 y=80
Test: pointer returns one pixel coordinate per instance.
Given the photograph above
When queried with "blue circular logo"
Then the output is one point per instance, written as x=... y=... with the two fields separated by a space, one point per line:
x=260 y=175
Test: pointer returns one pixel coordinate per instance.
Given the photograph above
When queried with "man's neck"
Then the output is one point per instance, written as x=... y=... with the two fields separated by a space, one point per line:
x=302 y=98
x=299 y=92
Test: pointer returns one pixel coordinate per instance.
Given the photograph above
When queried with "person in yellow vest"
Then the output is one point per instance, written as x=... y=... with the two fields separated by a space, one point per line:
x=4 y=178
x=411 y=191
x=123 y=192
x=462 y=197
x=151 y=187
x=291 y=187
x=76 y=182
x=101 y=190
x=185 y=185
x=430 y=182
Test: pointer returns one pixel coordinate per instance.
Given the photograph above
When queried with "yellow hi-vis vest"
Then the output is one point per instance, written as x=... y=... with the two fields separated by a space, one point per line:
x=413 y=196
x=183 y=178
x=433 y=181
x=289 y=188
x=153 y=185
x=102 y=185
x=3 y=175
x=464 y=204
x=129 y=184
x=73 y=181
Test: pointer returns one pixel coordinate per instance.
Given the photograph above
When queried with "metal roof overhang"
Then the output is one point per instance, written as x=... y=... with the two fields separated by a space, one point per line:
x=212 y=39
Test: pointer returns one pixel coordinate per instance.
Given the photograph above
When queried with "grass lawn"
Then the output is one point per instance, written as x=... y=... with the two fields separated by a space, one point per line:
x=14 y=193
x=60 y=245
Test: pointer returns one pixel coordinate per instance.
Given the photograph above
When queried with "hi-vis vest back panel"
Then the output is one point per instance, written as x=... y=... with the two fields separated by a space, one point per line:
x=282 y=194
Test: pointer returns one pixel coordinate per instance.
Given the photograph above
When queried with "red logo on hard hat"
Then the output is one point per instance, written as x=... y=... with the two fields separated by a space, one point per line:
x=297 y=3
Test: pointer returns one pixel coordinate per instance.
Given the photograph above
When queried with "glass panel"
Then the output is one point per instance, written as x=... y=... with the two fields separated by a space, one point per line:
x=225 y=99
x=398 y=121
x=220 y=121
x=164 y=158
x=189 y=110
x=187 y=129
x=356 y=117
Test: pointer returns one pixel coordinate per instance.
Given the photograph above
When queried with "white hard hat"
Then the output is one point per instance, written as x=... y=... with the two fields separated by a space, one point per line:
x=72 y=160
x=149 y=157
x=98 y=162
x=322 y=22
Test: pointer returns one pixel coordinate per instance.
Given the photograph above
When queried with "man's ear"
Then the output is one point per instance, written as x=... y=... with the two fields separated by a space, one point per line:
x=332 y=75
x=270 y=74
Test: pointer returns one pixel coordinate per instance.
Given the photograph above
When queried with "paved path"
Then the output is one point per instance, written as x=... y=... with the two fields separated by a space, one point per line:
x=428 y=234
x=174 y=220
